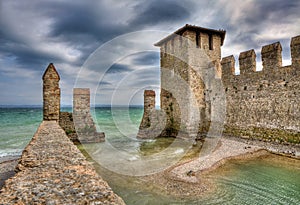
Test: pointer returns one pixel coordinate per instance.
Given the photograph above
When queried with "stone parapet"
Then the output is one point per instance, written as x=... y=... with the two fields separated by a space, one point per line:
x=53 y=171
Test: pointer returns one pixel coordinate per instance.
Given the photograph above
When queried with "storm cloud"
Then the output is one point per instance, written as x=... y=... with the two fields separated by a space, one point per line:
x=66 y=33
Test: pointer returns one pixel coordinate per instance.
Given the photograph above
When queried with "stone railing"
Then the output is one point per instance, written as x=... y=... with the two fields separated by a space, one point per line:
x=53 y=171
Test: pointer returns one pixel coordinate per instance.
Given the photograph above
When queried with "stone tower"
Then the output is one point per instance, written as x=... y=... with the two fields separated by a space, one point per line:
x=51 y=94
x=180 y=58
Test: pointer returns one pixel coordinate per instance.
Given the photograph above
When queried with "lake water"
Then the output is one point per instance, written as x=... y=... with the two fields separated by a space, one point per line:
x=265 y=180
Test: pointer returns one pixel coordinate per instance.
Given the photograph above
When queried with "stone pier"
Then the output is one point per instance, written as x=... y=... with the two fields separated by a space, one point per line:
x=53 y=171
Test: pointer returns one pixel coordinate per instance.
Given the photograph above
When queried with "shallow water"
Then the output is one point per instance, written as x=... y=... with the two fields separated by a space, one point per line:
x=270 y=179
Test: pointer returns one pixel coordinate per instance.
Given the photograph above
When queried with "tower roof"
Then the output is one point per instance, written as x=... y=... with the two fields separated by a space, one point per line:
x=193 y=28
x=51 y=70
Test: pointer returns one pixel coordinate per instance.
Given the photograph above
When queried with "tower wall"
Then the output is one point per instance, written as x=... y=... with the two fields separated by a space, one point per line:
x=181 y=59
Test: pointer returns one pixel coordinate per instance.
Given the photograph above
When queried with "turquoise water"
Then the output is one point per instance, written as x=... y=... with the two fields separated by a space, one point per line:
x=17 y=126
x=268 y=180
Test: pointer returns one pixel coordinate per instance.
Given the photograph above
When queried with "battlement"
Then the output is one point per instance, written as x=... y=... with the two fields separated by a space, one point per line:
x=228 y=66
x=295 y=50
x=247 y=61
x=271 y=57
x=81 y=91
x=149 y=93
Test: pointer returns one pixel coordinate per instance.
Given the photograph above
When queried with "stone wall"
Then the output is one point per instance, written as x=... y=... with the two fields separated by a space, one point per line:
x=53 y=171
x=83 y=121
x=51 y=94
x=264 y=104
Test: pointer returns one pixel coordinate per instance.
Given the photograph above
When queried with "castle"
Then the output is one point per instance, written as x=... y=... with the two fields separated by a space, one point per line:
x=256 y=104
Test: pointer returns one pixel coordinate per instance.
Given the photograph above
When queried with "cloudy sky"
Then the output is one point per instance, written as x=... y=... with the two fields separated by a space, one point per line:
x=74 y=34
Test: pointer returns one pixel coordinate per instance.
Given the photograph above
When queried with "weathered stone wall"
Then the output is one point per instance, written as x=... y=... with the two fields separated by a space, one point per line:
x=264 y=104
x=83 y=121
x=53 y=171
x=51 y=94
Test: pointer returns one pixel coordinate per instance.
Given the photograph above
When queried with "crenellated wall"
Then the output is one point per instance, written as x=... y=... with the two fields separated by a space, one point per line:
x=263 y=104
x=259 y=104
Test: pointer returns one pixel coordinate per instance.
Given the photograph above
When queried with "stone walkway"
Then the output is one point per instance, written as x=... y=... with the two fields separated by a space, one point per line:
x=53 y=171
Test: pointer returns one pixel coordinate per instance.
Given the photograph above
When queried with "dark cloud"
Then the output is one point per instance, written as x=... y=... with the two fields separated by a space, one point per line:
x=155 y=12
x=118 y=68
x=35 y=33
x=82 y=22
x=146 y=58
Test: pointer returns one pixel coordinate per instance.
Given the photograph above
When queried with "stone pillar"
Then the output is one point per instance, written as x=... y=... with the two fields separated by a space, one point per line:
x=83 y=121
x=51 y=94
x=149 y=106
x=271 y=56
x=153 y=121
